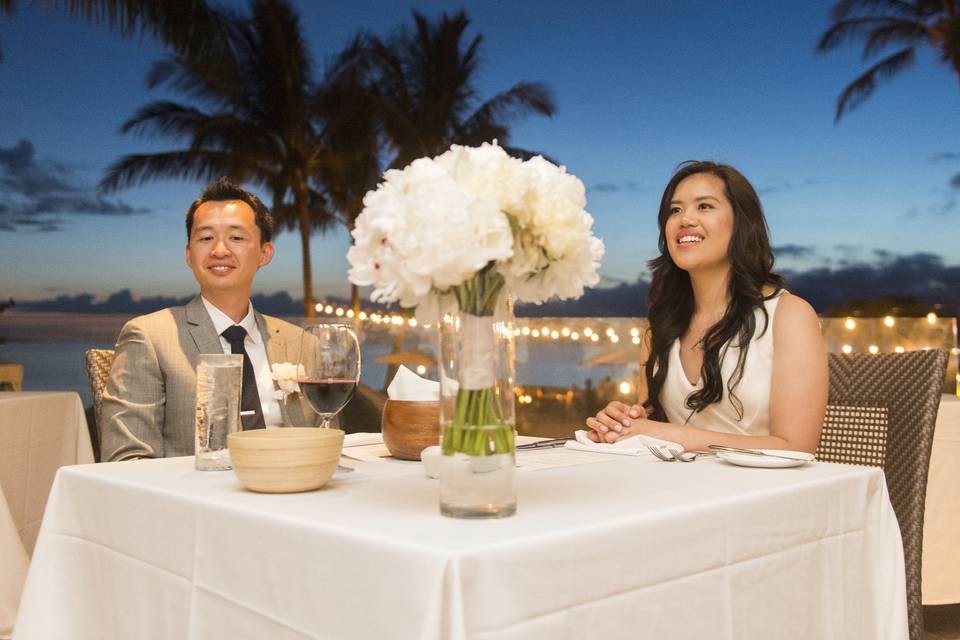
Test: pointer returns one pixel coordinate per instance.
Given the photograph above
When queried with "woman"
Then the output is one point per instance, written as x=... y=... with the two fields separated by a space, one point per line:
x=731 y=358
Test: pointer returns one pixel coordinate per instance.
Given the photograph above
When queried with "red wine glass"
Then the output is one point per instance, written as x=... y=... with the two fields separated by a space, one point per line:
x=329 y=368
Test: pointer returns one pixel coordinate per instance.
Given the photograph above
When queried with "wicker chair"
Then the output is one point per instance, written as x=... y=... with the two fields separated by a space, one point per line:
x=98 y=363
x=11 y=376
x=881 y=412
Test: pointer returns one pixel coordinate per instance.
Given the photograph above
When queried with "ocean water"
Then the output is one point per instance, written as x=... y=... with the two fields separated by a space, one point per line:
x=52 y=365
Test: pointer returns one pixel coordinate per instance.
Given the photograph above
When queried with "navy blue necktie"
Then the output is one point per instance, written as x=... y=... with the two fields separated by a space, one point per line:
x=249 y=396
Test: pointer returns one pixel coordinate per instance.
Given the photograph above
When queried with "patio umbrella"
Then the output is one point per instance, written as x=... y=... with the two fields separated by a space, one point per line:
x=615 y=354
x=411 y=358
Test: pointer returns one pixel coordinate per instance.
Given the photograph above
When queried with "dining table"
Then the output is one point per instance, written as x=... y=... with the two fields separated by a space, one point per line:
x=940 y=582
x=40 y=431
x=605 y=546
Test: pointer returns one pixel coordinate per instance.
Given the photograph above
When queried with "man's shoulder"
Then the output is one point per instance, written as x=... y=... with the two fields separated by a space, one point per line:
x=161 y=319
x=279 y=325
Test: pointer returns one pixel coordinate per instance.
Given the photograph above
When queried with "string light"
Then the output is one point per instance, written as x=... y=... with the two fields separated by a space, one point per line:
x=421 y=369
x=625 y=387
x=861 y=330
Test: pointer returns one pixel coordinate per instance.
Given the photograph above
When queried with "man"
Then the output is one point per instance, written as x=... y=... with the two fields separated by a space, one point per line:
x=148 y=403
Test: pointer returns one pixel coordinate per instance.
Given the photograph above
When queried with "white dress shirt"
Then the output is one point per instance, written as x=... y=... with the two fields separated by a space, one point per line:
x=257 y=352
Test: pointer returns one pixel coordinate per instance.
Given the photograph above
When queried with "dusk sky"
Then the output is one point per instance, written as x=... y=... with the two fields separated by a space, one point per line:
x=639 y=87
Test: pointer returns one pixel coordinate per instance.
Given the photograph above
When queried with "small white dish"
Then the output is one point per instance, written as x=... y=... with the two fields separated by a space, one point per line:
x=431 y=461
x=796 y=458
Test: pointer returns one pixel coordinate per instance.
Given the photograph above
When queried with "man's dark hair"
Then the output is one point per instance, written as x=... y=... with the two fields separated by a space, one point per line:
x=225 y=189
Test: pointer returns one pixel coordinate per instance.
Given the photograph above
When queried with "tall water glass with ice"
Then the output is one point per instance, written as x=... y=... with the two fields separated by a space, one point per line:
x=219 y=385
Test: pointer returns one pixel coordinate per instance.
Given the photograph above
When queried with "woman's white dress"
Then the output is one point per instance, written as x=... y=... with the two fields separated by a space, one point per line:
x=753 y=391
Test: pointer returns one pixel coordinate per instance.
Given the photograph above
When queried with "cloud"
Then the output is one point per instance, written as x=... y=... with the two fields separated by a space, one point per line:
x=921 y=275
x=123 y=302
x=780 y=186
x=793 y=251
x=39 y=194
x=945 y=156
x=615 y=187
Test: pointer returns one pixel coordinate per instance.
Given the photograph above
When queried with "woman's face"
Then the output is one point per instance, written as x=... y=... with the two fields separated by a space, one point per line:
x=700 y=225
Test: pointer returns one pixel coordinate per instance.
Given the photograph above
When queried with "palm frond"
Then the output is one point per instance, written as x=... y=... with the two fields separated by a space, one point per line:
x=165 y=119
x=521 y=99
x=189 y=26
x=137 y=169
x=845 y=31
x=845 y=9
x=896 y=31
x=861 y=88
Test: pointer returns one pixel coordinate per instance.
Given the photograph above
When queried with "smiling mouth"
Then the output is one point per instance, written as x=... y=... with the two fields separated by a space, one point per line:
x=220 y=269
x=688 y=240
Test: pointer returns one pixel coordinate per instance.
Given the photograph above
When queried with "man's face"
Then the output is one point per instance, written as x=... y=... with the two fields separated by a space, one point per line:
x=224 y=250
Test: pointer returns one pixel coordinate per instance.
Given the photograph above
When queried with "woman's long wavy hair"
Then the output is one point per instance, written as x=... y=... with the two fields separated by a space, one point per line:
x=671 y=303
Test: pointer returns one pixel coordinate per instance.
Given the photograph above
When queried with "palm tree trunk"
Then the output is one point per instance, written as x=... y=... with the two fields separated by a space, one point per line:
x=303 y=214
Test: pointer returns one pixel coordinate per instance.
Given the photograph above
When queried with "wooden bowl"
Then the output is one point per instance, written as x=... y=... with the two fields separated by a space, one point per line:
x=409 y=427
x=285 y=460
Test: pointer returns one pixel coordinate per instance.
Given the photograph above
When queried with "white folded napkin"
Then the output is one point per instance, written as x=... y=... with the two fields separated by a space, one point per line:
x=632 y=446
x=406 y=385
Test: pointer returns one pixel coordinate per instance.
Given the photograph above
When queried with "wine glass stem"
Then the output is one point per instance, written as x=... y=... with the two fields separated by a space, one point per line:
x=325 y=422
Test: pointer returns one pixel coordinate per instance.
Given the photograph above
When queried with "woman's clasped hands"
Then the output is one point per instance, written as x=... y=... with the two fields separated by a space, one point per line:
x=616 y=421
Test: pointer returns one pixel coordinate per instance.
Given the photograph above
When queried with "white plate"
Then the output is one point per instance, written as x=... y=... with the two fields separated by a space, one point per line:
x=747 y=460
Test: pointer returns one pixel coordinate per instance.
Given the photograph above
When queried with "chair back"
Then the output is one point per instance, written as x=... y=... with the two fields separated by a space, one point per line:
x=98 y=362
x=881 y=412
x=11 y=376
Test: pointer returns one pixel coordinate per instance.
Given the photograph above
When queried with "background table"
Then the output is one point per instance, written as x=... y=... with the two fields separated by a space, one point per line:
x=941 y=522
x=623 y=548
x=39 y=433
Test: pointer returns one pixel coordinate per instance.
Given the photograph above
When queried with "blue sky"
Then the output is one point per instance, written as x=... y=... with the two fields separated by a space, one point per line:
x=638 y=88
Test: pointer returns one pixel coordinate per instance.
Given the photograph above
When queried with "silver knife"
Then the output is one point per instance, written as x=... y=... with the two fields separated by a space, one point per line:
x=544 y=444
x=754 y=452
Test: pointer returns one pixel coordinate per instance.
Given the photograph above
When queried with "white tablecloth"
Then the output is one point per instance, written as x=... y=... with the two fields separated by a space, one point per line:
x=39 y=432
x=941 y=521
x=625 y=548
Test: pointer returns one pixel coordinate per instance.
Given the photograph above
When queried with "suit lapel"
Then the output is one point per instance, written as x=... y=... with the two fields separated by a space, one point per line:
x=201 y=327
x=273 y=339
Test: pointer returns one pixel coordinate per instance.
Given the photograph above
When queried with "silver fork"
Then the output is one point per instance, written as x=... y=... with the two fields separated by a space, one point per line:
x=658 y=452
x=690 y=456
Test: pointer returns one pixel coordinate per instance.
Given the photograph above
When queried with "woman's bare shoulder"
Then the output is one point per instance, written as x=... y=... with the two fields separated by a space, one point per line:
x=794 y=312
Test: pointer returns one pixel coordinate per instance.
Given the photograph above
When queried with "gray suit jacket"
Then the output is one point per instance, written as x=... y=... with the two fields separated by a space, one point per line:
x=148 y=404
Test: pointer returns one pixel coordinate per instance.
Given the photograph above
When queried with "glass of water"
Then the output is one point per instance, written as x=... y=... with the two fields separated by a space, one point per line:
x=219 y=383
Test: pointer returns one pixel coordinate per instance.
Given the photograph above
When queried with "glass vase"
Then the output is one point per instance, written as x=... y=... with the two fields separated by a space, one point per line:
x=477 y=471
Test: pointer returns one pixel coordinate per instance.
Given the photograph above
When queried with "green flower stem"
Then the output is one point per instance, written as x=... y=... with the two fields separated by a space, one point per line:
x=478 y=427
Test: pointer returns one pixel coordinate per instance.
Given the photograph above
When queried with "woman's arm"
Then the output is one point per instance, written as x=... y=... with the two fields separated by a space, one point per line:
x=617 y=416
x=798 y=392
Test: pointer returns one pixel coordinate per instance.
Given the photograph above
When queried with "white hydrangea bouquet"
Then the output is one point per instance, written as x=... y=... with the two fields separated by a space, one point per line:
x=456 y=231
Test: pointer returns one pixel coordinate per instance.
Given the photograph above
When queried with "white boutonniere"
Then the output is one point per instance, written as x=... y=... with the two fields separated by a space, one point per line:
x=287 y=375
